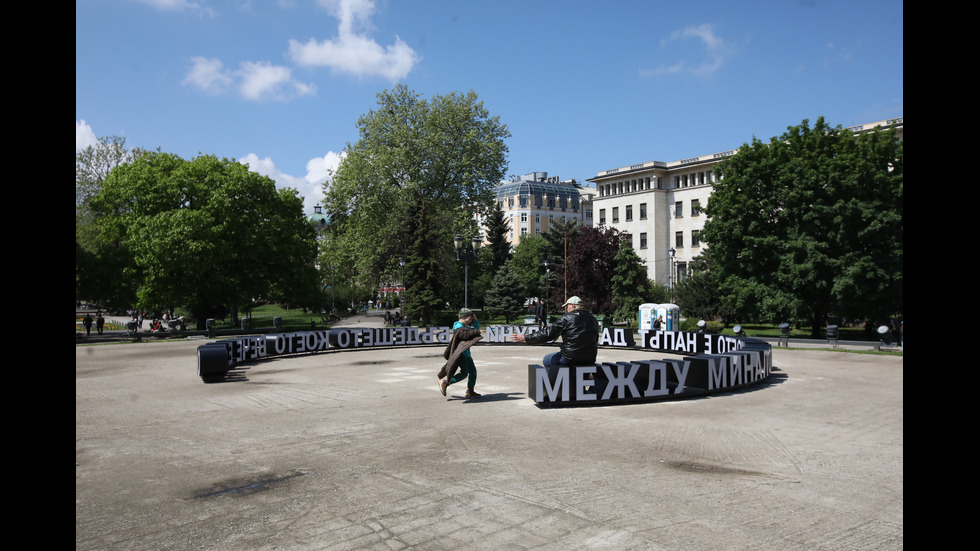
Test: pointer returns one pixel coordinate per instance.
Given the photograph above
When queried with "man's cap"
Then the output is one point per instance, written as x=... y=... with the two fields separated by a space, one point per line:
x=464 y=312
x=574 y=300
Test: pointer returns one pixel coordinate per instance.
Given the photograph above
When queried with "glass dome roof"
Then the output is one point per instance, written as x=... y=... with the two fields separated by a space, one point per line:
x=530 y=187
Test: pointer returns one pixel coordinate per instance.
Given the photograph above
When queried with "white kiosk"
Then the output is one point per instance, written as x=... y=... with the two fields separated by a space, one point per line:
x=670 y=313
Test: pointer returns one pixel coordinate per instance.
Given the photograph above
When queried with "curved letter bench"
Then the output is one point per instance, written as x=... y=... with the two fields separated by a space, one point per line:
x=709 y=364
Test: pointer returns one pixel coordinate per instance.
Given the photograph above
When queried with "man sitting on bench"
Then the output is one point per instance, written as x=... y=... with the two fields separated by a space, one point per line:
x=579 y=332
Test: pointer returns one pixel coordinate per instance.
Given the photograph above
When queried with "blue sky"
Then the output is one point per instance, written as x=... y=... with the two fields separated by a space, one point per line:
x=584 y=86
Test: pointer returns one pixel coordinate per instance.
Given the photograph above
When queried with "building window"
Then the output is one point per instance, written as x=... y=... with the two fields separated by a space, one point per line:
x=629 y=213
x=696 y=238
x=679 y=240
x=602 y=216
x=679 y=209
x=588 y=214
x=643 y=211
x=695 y=207
x=523 y=199
x=643 y=240
x=615 y=215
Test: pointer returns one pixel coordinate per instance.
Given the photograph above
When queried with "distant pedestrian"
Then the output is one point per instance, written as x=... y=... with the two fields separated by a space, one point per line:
x=87 y=322
x=541 y=313
x=99 y=323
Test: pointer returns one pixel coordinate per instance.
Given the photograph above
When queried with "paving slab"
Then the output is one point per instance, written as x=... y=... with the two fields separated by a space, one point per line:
x=359 y=450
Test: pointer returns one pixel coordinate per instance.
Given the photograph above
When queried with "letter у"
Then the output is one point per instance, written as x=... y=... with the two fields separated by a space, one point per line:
x=656 y=378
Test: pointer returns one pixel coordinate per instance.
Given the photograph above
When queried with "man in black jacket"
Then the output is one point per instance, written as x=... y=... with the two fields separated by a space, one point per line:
x=579 y=332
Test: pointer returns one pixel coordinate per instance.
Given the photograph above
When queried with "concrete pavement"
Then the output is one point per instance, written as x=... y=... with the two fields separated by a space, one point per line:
x=359 y=450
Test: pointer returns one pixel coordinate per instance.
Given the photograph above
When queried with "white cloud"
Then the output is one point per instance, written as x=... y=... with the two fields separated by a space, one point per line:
x=320 y=169
x=255 y=81
x=262 y=81
x=310 y=187
x=713 y=55
x=356 y=55
x=179 y=5
x=208 y=75
x=84 y=136
x=354 y=52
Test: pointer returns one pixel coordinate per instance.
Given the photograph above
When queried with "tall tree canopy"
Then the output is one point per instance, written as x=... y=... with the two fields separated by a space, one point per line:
x=506 y=296
x=630 y=285
x=417 y=161
x=810 y=224
x=97 y=266
x=96 y=161
x=592 y=266
x=528 y=263
x=207 y=234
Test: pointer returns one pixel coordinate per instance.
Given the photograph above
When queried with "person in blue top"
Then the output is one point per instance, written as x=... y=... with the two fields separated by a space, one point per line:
x=467 y=369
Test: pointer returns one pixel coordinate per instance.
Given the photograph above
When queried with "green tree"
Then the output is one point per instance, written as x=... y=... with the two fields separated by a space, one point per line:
x=560 y=242
x=447 y=154
x=506 y=296
x=528 y=264
x=496 y=237
x=493 y=256
x=422 y=271
x=698 y=294
x=810 y=224
x=97 y=264
x=207 y=234
x=629 y=282
x=94 y=163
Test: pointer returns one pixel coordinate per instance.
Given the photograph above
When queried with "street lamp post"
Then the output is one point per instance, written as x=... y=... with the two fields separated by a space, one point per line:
x=333 y=290
x=404 y=290
x=466 y=255
x=672 y=252
x=547 y=273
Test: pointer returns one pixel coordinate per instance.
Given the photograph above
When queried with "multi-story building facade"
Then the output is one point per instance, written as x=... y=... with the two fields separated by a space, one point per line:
x=659 y=205
x=534 y=202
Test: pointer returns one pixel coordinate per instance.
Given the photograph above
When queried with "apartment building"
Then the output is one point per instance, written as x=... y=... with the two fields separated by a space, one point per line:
x=659 y=204
x=532 y=203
